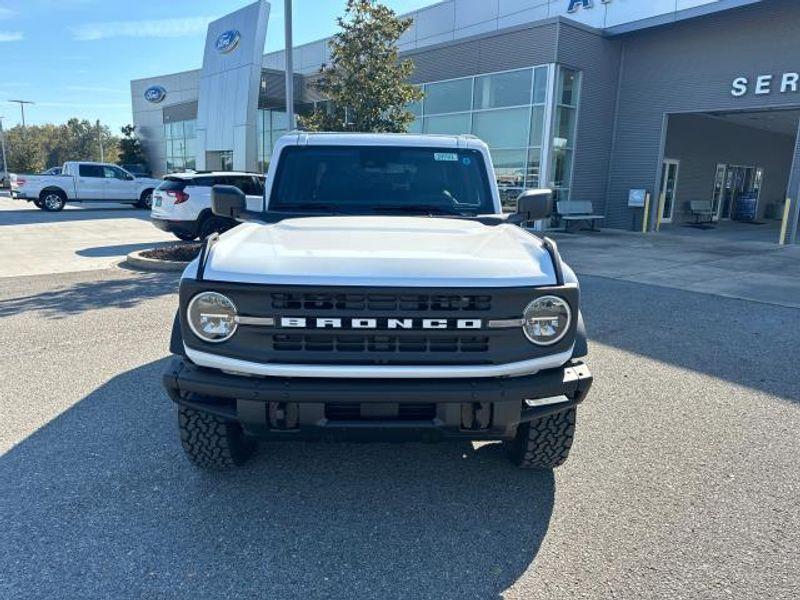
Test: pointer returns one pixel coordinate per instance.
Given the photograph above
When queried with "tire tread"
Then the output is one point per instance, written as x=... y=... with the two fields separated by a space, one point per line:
x=211 y=442
x=544 y=443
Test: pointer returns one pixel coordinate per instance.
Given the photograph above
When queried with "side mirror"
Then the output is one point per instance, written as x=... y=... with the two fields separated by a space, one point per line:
x=130 y=177
x=228 y=201
x=534 y=205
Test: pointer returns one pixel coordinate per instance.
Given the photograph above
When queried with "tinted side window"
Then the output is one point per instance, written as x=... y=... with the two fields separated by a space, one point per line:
x=259 y=183
x=90 y=171
x=203 y=182
x=114 y=173
x=171 y=185
x=244 y=183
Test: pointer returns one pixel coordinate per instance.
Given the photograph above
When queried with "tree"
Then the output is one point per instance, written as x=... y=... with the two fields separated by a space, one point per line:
x=366 y=83
x=37 y=147
x=25 y=154
x=130 y=148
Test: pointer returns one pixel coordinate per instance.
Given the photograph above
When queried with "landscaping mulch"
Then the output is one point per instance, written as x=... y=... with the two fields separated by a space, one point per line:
x=178 y=253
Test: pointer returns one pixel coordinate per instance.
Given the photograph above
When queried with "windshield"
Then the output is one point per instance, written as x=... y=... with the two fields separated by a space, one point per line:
x=381 y=180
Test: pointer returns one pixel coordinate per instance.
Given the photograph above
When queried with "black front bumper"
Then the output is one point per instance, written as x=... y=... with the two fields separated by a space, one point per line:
x=476 y=409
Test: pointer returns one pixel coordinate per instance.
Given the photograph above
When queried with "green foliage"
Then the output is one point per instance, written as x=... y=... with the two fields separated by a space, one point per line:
x=365 y=82
x=37 y=147
x=130 y=149
x=23 y=157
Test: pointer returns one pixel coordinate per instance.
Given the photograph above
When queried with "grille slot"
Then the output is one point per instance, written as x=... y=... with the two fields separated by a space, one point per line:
x=351 y=411
x=378 y=343
x=388 y=303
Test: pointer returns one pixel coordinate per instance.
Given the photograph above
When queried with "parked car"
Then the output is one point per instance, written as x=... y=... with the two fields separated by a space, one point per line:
x=84 y=181
x=5 y=177
x=381 y=294
x=182 y=203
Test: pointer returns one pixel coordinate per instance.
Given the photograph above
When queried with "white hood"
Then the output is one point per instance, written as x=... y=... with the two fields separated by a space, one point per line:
x=381 y=251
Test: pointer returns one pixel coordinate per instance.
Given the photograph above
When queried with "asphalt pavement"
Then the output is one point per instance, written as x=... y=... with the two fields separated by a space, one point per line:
x=84 y=236
x=683 y=482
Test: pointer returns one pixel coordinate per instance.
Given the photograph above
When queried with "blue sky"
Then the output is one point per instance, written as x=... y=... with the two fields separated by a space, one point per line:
x=75 y=58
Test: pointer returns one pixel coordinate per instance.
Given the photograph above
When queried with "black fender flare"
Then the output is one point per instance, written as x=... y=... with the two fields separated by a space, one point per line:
x=176 y=339
x=581 y=341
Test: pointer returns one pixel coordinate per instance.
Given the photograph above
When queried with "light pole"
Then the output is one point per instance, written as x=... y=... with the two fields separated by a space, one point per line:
x=287 y=17
x=3 y=148
x=100 y=140
x=22 y=104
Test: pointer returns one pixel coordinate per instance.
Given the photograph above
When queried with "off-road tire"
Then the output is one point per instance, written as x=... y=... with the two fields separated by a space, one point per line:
x=544 y=443
x=185 y=237
x=211 y=442
x=214 y=225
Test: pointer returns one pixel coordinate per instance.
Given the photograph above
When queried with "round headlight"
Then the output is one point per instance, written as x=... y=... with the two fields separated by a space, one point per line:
x=547 y=320
x=212 y=317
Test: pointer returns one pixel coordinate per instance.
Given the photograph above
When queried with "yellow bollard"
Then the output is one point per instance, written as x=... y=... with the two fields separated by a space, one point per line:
x=785 y=222
x=646 y=212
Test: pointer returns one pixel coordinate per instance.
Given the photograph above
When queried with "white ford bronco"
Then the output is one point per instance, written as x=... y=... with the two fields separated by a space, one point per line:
x=379 y=293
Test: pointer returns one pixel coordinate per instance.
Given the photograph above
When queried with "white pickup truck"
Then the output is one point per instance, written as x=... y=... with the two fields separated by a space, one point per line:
x=84 y=181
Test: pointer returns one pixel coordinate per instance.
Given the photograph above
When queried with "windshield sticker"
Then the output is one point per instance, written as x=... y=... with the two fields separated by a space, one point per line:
x=445 y=156
x=466 y=161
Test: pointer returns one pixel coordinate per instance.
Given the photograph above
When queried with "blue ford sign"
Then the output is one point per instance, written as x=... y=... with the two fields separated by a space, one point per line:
x=227 y=41
x=155 y=94
x=574 y=5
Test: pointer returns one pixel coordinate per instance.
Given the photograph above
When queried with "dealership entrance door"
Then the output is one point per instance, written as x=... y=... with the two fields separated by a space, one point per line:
x=728 y=172
x=737 y=190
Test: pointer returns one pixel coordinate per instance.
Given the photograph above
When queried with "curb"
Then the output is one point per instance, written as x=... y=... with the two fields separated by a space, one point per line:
x=136 y=260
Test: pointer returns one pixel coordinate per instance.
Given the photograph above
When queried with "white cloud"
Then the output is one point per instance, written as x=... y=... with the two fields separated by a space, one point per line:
x=155 y=28
x=11 y=36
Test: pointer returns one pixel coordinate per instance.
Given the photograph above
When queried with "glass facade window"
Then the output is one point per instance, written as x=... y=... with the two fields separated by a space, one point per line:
x=271 y=124
x=179 y=140
x=507 y=110
x=448 y=96
x=450 y=124
x=565 y=117
x=504 y=89
x=506 y=128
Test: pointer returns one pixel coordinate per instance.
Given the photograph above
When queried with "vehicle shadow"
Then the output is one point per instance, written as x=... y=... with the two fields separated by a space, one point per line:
x=100 y=502
x=733 y=340
x=122 y=249
x=111 y=291
x=32 y=215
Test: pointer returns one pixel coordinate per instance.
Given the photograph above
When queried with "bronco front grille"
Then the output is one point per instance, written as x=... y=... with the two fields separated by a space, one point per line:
x=424 y=303
x=378 y=343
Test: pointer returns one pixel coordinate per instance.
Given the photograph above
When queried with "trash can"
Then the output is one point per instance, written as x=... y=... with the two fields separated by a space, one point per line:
x=746 y=208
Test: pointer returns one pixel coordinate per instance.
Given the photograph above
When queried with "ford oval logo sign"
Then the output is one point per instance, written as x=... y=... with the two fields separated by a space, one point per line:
x=227 y=41
x=155 y=94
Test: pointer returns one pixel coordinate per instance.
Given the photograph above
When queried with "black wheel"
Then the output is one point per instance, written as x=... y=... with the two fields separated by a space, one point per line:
x=211 y=442
x=37 y=203
x=214 y=225
x=146 y=200
x=52 y=200
x=544 y=443
x=186 y=237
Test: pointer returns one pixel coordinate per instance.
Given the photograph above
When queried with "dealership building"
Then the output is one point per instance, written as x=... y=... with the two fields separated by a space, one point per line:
x=695 y=102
